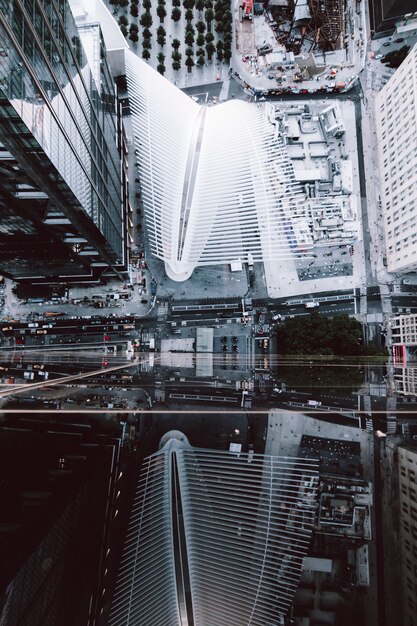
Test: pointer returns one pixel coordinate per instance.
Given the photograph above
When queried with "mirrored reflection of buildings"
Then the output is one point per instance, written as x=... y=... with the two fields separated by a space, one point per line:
x=407 y=464
x=61 y=484
x=62 y=184
x=215 y=538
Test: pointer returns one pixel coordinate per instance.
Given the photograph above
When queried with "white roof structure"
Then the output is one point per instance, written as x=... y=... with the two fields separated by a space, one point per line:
x=215 y=538
x=217 y=183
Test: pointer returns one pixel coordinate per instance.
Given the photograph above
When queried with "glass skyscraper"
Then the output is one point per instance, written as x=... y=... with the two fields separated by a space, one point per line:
x=62 y=184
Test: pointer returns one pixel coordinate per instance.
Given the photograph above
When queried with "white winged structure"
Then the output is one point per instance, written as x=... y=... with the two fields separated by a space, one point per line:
x=217 y=183
x=215 y=538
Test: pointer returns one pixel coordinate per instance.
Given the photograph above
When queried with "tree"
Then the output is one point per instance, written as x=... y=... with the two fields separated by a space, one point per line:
x=219 y=45
x=189 y=39
x=227 y=37
x=146 y=33
x=161 y=40
x=209 y=15
x=176 y=3
x=227 y=45
x=219 y=27
x=189 y=52
x=189 y=15
x=227 y=18
x=200 y=26
x=200 y=60
x=161 y=57
x=317 y=334
x=176 y=56
x=134 y=10
x=189 y=28
x=201 y=52
x=161 y=12
x=133 y=36
x=208 y=4
x=133 y=28
x=227 y=54
x=161 y=68
x=146 y=54
x=220 y=55
x=123 y=20
x=175 y=44
x=219 y=16
x=200 y=39
x=210 y=50
x=176 y=65
x=199 y=5
x=146 y=43
x=123 y=3
x=147 y=4
x=123 y=30
x=176 y=14
x=189 y=63
x=161 y=31
x=146 y=19
x=209 y=37
x=188 y=4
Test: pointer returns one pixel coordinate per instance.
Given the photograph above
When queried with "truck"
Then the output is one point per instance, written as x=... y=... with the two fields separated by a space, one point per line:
x=311 y=305
x=314 y=403
x=247 y=9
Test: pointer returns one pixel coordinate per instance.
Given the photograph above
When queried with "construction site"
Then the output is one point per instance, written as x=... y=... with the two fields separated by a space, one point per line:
x=308 y=25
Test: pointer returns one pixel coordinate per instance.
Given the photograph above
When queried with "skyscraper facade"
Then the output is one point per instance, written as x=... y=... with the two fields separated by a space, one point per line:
x=62 y=185
x=396 y=125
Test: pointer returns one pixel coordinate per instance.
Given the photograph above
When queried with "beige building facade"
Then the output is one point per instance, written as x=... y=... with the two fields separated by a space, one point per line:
x=396 y=124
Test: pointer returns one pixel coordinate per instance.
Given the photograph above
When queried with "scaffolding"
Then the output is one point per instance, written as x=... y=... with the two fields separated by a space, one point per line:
x=316 y=25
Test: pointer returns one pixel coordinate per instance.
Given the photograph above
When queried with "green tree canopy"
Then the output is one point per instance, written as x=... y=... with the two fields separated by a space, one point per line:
x=200 y=39
x=146 y=33
x=199 y=5
x=161 y=68
x=200 y=60
x=210 y=50
x=209 y=37
x=176 y=14
x=209 y=15
x=147 y=4
x=161 y=12
x=176 y=65
x=200 y=26
x=146 y=54
x=189 y=39
x=146 y=19
x=317 y=334
x=176 y=44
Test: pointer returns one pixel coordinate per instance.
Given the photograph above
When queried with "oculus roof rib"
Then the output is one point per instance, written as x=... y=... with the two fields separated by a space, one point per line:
x=217 y=182
x=215 y=539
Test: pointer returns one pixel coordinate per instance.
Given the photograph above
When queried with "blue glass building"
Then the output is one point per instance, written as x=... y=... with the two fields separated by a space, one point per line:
x=62 y=183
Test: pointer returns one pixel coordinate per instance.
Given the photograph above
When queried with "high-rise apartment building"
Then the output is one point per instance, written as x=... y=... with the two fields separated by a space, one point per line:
x=62 y=184
x=407 y=464
x=396 y=124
